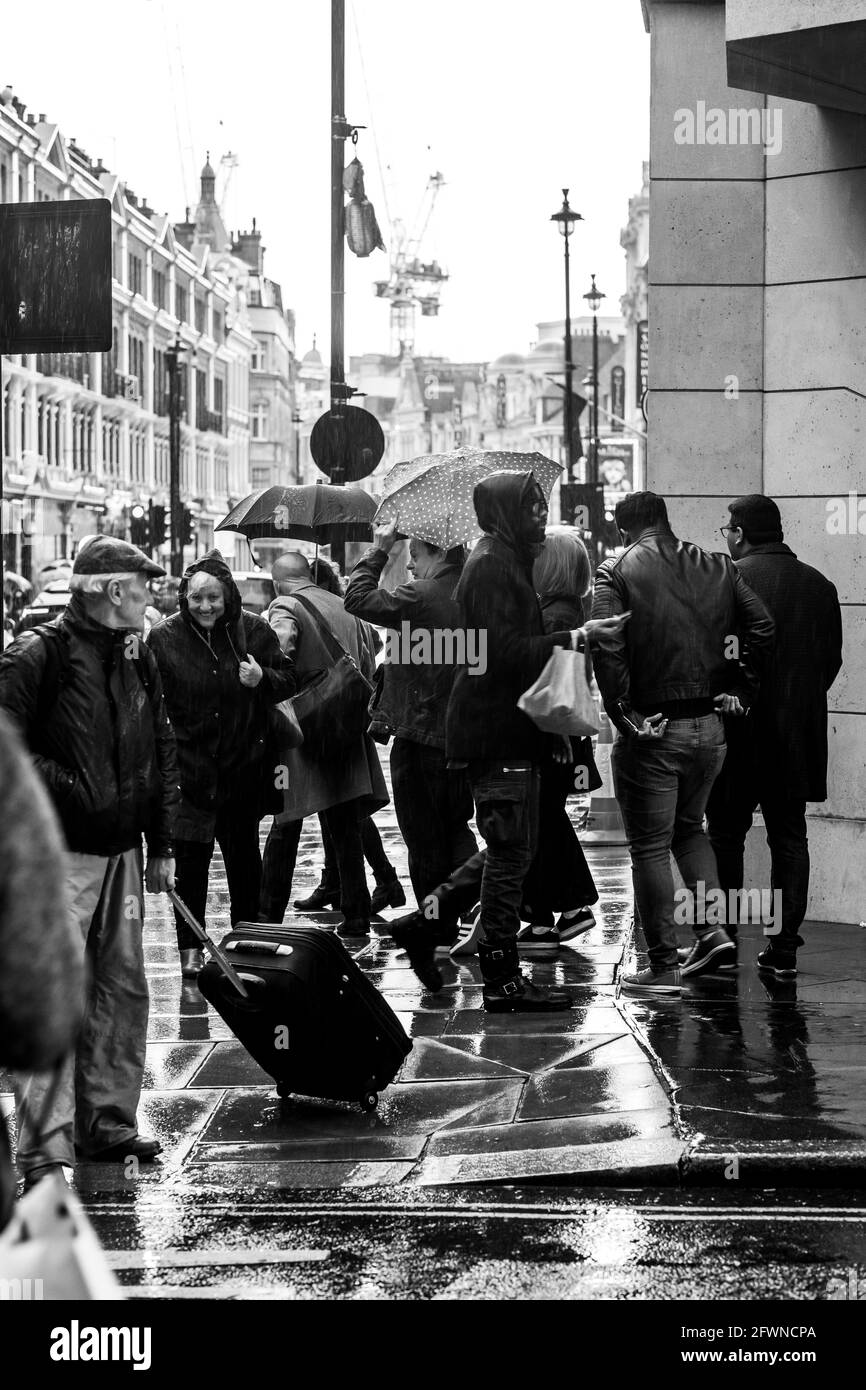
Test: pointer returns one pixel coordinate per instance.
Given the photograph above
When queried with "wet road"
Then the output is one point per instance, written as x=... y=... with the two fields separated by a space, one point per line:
x=509 y=1244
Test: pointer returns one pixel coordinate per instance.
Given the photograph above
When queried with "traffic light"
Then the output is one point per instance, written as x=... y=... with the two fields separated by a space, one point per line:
x=187 y=531
x=139 y=526
x=157 y=523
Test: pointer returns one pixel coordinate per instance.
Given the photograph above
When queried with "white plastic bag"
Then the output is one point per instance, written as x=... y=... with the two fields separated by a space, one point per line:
x=560 y=701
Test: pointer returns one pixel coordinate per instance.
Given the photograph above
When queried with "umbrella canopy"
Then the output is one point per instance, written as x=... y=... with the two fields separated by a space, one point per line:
x=308 y=512
x=431 y=497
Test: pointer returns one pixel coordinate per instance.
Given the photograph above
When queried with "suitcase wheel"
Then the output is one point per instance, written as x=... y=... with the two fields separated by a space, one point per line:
x=369 y=1101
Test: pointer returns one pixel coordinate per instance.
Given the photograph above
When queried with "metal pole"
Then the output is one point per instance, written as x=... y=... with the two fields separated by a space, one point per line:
x=595 y=395
x=569 y=365
x=2 y=531
x=172 y=358
x=338 y=135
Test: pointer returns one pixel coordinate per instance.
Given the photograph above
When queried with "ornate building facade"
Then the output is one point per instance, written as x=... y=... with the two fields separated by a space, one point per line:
x=85 y=435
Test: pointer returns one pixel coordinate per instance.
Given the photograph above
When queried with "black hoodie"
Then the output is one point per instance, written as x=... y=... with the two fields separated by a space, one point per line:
x=220 y=725
x=499 y=603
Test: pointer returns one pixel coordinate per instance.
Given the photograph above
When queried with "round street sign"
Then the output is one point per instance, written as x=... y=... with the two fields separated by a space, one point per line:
x=347 y=446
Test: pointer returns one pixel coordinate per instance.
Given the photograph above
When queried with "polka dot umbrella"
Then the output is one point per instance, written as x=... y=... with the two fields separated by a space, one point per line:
x=431 y=497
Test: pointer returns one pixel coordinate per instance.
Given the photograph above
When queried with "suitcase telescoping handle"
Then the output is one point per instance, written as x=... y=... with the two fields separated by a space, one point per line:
x=225 y=965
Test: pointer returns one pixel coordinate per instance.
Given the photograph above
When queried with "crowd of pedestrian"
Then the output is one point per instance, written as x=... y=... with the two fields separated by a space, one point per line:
x=713 y=668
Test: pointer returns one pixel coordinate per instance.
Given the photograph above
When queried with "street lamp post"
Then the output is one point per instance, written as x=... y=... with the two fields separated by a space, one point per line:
x=173 y=355
x=593 y=297
x=565 y=220
x=296 y=421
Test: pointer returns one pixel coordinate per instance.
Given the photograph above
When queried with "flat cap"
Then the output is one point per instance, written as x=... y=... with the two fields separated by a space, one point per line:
x=107 y=555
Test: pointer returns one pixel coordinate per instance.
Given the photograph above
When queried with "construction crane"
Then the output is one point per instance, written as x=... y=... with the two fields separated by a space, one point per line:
x=412 y=283
x=227 y=165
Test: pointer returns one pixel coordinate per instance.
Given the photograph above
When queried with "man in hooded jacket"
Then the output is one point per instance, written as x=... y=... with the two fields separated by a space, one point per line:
x=221 y=669
x=495 y=741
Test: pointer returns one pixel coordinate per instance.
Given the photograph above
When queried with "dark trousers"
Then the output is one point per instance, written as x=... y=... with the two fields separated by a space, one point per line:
x=733 y=801
x=281 y=851
x=506 y=810
x=662 y=786
x=374 y=853
x=433 y=807
x=237 y=834
x=559 y=877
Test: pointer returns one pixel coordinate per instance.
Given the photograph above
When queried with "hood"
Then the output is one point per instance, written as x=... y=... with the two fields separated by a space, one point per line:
x=214 y=564
x=499 y=503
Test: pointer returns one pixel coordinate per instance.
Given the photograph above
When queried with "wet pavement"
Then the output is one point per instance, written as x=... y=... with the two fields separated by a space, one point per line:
x=464 y=1243
x=740 y=1079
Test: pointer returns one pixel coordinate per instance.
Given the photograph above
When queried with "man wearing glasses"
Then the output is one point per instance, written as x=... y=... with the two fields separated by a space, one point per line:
x=683 y=660
x=777 y=759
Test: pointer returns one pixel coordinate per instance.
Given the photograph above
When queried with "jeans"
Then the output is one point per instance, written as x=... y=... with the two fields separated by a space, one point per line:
x=433 y=807
x=98 y=1088
x=662 y=786
x=506 y=809
x=281 y=851
x=237 y=834
x=732 y=804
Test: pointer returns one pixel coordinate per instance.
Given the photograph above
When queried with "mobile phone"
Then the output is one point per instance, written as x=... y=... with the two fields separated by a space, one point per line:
x=628 y=722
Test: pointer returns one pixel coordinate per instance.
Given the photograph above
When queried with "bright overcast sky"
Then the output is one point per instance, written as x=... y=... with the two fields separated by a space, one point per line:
x=510 y=101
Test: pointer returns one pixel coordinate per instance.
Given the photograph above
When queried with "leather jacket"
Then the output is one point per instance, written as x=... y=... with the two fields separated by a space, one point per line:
x=105 y=749
x=696 y=629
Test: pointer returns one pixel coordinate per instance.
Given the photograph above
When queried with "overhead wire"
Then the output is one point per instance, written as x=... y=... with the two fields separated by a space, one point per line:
x=372 y=118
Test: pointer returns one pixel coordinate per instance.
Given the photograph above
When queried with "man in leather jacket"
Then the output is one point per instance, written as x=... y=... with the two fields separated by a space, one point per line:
x=86 y=694
x=689 y=654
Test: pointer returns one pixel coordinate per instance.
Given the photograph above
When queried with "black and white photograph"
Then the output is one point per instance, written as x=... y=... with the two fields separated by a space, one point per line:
x=432 y=776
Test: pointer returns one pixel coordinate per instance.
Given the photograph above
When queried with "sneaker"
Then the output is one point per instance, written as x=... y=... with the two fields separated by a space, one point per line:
x=468 y=937
x=782 y=964
x=727 y=962
x=538 y=941
x=645 y=982
x=573 y=924
x=706 y=951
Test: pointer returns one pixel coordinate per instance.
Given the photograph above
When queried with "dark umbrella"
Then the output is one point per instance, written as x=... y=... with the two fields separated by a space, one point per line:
x=309 y=512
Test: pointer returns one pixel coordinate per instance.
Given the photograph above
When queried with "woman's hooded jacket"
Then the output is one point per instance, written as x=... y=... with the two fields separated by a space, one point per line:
x=221 y=726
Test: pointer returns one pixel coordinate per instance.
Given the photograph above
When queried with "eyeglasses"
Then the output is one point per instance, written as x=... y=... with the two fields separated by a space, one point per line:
x=725 y=529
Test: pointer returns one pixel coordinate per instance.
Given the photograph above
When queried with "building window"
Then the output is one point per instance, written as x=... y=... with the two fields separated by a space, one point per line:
x=259 y=421
x=200 y=398
x=260 y=477
x=2 y=183
x=136 y=273
x=160 y=383
x=159 y=288
x=219 y=397
x=218 y=324
x=200 y=313
x=181 y=302
x=136 y=366
x=259 y=361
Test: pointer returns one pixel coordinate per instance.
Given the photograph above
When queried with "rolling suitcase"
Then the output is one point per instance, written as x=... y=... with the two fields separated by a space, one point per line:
x=311 y=1018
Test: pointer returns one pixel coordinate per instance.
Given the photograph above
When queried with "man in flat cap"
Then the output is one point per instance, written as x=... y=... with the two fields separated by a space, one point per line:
x=86 y=694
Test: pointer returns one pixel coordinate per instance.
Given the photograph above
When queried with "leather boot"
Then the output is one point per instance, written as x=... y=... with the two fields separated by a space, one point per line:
x=191 y=962
x=320 y=898
x=505 y=988
x=387 y=893
x=419 y=939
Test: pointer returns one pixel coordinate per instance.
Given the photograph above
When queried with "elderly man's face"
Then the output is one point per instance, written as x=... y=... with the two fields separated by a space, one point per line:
x=135 y=596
